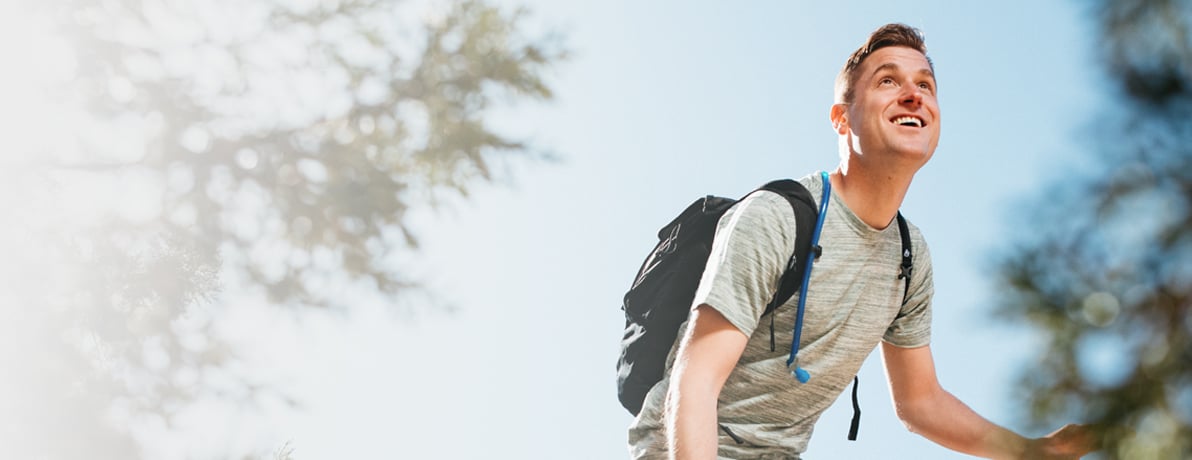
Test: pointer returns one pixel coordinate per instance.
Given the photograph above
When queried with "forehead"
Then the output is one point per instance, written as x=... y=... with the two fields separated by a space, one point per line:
x=899 y=57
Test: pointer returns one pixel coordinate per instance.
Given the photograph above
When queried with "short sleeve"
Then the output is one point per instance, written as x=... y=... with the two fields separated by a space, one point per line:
x=753 y=243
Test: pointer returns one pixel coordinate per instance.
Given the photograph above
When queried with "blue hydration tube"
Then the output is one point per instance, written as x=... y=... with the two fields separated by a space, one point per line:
x=801 y=374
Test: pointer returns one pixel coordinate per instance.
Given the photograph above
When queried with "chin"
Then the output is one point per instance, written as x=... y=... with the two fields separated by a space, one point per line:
x=916 y=151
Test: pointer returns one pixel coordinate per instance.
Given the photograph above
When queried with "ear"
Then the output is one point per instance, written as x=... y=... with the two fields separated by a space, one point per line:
x=839 y=117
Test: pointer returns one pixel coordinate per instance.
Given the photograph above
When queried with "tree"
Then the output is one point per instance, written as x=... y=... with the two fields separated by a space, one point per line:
x=1104 y=268
x=265 y=144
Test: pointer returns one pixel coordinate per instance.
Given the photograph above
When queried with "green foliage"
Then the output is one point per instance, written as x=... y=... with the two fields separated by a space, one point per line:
x=302 y=137
x=1104 y=269
x=266 y=145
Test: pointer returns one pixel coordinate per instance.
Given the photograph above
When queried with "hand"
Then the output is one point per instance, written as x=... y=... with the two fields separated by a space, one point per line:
x=1067 y=443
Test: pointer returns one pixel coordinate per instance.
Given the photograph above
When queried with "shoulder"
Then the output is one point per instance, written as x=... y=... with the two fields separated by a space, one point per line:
x=776 y=205
x=762 y=209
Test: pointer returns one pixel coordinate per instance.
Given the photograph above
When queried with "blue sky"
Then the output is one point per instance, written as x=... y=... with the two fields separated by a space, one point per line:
x=663 y=102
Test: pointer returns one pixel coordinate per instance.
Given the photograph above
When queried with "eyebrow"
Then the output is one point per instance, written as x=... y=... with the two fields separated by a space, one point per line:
x=893 y=66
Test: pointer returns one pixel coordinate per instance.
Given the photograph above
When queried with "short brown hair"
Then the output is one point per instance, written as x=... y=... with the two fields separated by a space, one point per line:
x=884 y=36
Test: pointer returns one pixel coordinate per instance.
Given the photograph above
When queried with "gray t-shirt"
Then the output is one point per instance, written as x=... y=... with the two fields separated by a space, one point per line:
x=854 y=301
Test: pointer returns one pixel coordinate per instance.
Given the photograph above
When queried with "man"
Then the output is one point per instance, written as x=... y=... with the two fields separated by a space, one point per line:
x=728 y=393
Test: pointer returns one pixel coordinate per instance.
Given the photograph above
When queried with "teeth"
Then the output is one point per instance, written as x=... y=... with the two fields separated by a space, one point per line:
x=909 y=121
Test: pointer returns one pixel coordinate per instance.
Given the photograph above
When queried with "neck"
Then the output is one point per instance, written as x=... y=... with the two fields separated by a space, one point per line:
x=873 y=195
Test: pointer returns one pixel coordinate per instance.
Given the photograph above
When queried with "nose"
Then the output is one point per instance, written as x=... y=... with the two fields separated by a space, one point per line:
x=912 y=96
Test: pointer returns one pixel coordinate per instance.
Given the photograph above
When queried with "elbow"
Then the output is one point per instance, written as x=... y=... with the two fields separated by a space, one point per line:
x=909 y=418
x=915 y=413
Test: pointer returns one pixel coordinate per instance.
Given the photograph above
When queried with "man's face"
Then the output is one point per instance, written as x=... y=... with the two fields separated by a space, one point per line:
x=894 y=112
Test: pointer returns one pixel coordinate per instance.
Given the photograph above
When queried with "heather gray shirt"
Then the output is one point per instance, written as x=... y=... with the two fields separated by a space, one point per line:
x=854 y=301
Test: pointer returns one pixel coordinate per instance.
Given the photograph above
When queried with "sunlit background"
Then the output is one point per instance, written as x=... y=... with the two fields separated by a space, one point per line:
x=315 y=229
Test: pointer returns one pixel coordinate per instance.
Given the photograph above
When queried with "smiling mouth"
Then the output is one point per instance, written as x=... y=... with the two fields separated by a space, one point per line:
x=909 y=121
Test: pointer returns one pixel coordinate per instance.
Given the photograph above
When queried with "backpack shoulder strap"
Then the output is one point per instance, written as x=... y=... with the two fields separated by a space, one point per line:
x=905 y=271
x=805 y=217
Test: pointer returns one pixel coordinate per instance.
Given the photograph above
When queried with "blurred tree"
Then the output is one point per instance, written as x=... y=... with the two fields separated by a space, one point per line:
x=1104 y=269
x=272 y=145
x=299 y=133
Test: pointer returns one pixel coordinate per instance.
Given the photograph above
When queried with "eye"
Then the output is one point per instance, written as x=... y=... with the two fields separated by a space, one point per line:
x=925 y=86
x=886 y=81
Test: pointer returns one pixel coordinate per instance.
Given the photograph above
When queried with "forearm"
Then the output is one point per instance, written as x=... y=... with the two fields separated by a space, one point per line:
x=705 y=359
x=947 y=421
x=937 y=415
x=691 y=420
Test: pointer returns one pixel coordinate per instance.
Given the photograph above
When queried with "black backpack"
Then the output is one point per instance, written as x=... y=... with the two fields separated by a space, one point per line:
x=659 y=301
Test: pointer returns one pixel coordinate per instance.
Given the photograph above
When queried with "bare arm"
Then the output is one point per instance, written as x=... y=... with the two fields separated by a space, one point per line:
x=707 y=354
x=929 y=410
